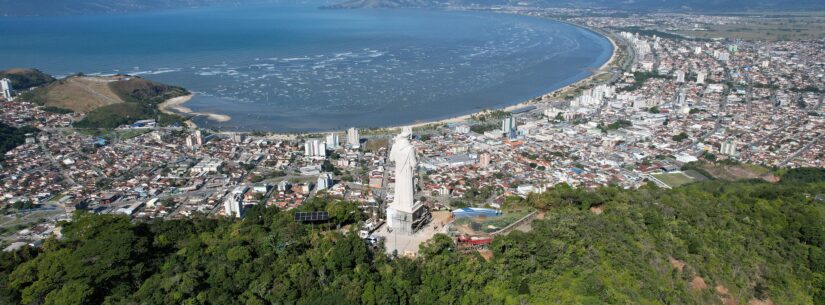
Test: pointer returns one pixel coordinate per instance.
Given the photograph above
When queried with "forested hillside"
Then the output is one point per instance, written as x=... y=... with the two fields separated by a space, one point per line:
x=706 y=243
x=23 y=79
x=11 y=137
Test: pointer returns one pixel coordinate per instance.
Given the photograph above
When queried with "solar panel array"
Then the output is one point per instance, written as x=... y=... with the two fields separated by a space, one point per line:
x=311 y=216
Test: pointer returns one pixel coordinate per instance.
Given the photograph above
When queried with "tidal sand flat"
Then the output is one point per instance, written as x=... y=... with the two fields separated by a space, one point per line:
x=297 y=68
x=175 y=106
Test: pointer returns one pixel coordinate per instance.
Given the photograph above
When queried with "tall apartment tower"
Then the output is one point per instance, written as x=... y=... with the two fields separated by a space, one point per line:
x=190 y=143
x=233 y=205
x=681 y=98
x=324 y=181
x=680 y=76
x=198 y=138
x=508 y=127
x=700 y=77
x=508 y=124
x=332 y=140
x=5 y=89
x=728 y=148
x=315 y=148
x=484 y=160
x=353 y=139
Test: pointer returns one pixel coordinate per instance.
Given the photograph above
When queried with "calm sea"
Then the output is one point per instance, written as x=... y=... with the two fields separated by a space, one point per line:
x=299 y=68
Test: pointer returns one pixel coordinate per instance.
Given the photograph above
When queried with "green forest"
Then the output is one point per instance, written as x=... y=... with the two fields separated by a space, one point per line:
x=22 y=79
x=11 y=137
x=703 y=243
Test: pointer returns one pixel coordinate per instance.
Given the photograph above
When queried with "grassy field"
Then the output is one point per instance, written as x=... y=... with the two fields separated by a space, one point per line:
x=488 y=225
x=769 y=27
x=738 y=172
x=80 y=94
x=674 y=179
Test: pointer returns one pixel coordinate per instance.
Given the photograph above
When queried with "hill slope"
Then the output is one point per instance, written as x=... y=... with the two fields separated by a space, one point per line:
x=78 y=93
x=139 y=101
x=107 y=101
x=707 y=243
x=23 y=78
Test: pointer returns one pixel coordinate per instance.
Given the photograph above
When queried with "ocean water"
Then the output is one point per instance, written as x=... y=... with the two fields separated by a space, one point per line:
x=298 y=68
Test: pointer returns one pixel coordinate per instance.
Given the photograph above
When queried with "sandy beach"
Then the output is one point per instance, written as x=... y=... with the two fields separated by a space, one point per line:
x=175 y=106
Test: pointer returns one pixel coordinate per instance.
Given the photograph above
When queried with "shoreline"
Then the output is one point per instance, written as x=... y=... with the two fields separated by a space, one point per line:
x=175 y=105
x=530 y=102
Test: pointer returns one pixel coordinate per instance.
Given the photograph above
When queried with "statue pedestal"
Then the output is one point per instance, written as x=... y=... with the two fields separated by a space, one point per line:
x=407 y=221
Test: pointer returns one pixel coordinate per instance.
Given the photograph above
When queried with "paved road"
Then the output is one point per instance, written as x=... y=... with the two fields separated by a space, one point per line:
x=803 y=149
x=56 y=164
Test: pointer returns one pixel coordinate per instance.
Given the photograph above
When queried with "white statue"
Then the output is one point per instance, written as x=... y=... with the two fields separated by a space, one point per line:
x=406 y=163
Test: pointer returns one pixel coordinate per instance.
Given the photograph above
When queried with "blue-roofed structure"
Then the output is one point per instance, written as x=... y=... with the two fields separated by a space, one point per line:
x=576 y=170
x=475 y=212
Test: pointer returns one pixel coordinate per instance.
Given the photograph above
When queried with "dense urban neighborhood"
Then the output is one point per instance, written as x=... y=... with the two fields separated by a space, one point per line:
x=673 y=108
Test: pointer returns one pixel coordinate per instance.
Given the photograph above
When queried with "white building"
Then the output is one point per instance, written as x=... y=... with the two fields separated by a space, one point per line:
x=721 y=55
x=728 y=148
x=324 y=181
x=207 y=165
x=233 y=205
x=484 y=160
x=353 y=139
x=552 y=112
x=680 y=76
x=332 y=140
x=5 y=89
x=283 y=186
x=190 y=142
x=315 y=148
x=198 y=138
x=700 y=77
x=685 y=158
x=681 y=98
x=508 y=125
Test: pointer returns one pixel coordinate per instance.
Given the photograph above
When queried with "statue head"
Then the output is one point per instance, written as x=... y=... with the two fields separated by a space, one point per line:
x=406 y=132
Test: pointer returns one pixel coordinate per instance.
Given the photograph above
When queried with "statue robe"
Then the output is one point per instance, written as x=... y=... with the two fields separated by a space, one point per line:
x=403 y=154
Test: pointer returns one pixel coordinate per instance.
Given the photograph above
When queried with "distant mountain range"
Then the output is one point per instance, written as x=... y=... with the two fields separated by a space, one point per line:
x=680 y=5
x=69 y=7
x=76 y=7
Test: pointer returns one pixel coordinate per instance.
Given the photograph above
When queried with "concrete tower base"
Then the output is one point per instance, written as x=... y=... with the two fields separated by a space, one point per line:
x=405 y=222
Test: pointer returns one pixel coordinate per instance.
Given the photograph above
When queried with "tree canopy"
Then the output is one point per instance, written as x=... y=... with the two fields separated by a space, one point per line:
x=696 y=244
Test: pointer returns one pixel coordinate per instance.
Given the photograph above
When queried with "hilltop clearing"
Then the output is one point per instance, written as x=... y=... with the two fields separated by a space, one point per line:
x=78 y=93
